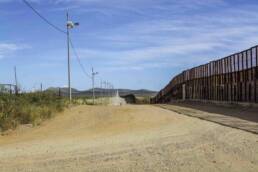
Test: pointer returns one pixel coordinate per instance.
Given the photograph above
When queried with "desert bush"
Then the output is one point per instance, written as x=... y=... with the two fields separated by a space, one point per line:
x=32 y=108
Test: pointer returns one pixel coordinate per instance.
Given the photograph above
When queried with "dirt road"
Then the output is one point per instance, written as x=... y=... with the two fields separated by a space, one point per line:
x=128 y=138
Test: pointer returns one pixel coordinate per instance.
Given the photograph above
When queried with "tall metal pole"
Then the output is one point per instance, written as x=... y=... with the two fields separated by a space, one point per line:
x=16 y=82
x=101 y=92
x=93 y=89
x=41 y=87
x=93 y=82
x=68 y=59
x=109 y=89
x=105 y=88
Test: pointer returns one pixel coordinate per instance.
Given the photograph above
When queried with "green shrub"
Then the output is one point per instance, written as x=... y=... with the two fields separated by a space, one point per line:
x=30 y=108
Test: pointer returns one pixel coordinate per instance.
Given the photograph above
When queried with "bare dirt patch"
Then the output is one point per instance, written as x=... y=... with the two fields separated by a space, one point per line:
x=128 y=138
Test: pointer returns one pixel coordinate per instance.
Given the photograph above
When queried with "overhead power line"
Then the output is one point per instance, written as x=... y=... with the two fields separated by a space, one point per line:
x=78 y=59
x=43 y=18
x=61 y=31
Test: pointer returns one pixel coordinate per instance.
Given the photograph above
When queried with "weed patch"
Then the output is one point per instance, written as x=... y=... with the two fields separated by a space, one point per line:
x=32 y=108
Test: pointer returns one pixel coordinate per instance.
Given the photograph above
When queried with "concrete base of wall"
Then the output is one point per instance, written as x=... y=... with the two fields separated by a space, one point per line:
x=220 y=103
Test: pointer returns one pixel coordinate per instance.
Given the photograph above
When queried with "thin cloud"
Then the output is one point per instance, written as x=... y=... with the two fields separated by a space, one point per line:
x=9 y=48
x=210 y=36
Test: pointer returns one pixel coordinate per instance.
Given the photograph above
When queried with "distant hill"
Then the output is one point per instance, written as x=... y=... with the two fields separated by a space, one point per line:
x=63 y=90
x=105 y=92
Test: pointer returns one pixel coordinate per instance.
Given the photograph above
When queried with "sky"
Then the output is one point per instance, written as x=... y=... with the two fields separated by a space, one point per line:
x=136 y=44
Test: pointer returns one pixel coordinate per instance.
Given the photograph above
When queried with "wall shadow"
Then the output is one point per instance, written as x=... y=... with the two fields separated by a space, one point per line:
x=248 y=113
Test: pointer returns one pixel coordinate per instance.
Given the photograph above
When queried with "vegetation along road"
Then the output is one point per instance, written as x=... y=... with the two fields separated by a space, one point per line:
x=127 y=138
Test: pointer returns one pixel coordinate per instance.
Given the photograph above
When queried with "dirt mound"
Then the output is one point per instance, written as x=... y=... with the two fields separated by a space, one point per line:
x=128 y=138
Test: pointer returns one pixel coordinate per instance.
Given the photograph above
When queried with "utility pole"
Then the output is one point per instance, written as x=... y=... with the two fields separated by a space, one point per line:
x=101 y=92
x=69 y=25
x=111 y=90
x=105 y=88
x=41 y=87
x=93 y=88
x=108 y=86
x=68 y=58
x=16 y=82
x=108 y=90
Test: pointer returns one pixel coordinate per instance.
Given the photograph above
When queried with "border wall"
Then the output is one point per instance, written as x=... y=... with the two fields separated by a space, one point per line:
x=231 y=79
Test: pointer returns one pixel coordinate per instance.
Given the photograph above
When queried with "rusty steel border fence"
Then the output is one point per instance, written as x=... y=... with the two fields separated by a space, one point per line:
x=232 y=79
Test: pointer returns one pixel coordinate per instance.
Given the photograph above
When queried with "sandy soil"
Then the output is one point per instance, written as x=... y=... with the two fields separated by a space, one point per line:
x=128 y=138
x=242 y=118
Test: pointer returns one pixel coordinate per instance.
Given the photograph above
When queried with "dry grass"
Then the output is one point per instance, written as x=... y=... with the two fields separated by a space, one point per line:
x=27 y=109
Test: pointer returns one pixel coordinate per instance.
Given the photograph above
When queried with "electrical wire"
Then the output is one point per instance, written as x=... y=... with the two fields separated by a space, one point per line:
x=79 y=60
x=62 y=31
x=43 y=18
